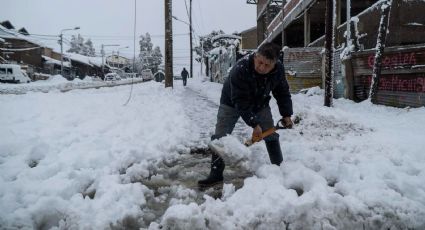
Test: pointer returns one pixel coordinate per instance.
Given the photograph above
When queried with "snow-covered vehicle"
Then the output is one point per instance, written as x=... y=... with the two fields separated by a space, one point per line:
x=177 y=77
x=147 y=75
x=12 y=73
x=159 y=76
x=112 y=77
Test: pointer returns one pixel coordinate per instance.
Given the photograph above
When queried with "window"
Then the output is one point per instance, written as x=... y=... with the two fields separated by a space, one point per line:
x=2 y=71
x=9 y=70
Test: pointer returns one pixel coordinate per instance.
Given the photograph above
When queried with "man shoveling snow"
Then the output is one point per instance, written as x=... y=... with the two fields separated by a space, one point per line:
x=246 y=94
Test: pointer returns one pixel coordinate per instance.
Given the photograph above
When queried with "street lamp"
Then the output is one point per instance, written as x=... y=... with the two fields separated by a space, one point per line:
x=118 y=51
x=102 y=51
x=61 y=41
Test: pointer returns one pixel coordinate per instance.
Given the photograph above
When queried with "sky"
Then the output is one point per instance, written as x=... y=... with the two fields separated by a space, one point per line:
x=112 y=21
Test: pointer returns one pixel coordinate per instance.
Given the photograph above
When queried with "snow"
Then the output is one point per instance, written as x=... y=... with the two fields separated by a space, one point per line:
x=97 y=61
x=75 y=160
x=54 y=61
x=415 y=24
x=225 y=36
x=16 y=35
x=59 y=83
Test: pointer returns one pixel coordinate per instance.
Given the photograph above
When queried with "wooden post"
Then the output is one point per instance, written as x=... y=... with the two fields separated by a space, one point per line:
x=168 y=44
x=283 y=18
x=329 y=37
x=380 y=46
x=190 y=40
x=307 y=25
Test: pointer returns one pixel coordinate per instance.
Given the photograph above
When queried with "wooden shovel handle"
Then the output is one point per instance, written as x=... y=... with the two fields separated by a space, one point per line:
x=266 y=133
x=269 y=132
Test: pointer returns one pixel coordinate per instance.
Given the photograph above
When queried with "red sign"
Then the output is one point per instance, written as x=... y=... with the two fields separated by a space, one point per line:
x=395 y=60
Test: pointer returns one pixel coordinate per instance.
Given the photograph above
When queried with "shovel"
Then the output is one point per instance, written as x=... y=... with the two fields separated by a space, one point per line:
x=235 y=156
x=268 y=132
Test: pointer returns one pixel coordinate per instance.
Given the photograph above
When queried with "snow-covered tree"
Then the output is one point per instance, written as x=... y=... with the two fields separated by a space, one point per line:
x=148 y=58
x=145 y=43
x=88 y=48
x=76 y=44
x=80 y=47
x=156 y=58
x=207 y=44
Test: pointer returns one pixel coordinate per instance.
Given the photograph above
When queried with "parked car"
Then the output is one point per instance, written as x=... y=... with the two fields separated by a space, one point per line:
x=130 y=75
x=12 y=73
x=177 y=77
x=147 y=75
x=112 y=77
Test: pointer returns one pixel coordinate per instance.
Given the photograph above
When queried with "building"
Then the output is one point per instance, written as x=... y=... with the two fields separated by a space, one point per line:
x=39 y=60
x=249 y=39
x=299 y=27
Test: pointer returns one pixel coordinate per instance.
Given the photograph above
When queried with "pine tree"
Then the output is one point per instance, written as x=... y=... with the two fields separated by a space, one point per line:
x=149 y=58
x=89 y=47
x=80 y=47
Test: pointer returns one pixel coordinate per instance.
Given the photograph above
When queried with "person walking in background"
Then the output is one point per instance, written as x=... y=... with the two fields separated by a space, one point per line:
x=184 y=75
x=246 y=94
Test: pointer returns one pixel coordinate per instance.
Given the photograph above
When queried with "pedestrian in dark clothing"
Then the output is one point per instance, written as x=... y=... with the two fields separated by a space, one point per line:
x=246 y=94
x=184 y=75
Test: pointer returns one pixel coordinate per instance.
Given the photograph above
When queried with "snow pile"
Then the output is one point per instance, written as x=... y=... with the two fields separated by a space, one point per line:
x=79 y=160
x=353 y=166
x=55 y=79
x=64 y=157
x=57 y=82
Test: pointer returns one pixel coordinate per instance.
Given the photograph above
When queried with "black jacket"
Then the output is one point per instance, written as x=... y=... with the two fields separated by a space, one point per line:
x=184 y=73
x=249 y=92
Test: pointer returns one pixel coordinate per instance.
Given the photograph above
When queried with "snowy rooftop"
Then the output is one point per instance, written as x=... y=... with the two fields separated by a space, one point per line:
x=6 y=33
x=92 y=61
x=225 y=36
x=54 y=61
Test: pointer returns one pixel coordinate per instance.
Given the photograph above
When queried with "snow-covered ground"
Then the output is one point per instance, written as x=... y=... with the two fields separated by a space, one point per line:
x=76 y=160
x=59 y=83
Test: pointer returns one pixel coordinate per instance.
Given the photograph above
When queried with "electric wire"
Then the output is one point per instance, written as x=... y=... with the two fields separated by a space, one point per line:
x=134 y=53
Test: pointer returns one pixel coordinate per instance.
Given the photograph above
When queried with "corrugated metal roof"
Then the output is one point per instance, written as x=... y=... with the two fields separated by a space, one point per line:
x=402 y=80
x=338 y=85
x=303 y=67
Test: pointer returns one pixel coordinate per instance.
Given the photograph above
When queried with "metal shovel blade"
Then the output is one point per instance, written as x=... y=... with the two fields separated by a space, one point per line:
x=230 y=155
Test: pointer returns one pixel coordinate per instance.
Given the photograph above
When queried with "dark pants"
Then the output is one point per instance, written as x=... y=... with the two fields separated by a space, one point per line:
x=184 y=81
x=226 y=121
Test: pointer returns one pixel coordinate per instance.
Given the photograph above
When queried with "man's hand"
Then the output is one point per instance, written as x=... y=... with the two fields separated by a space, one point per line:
x=287 y=122
x=257 y=134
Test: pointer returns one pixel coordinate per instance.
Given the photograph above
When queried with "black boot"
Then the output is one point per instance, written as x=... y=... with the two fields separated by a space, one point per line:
x=275 y=153
x=216 y=173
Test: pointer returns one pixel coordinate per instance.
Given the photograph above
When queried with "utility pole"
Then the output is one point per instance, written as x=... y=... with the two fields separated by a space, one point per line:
x=61 y=41
x=191 y=45
x=202 y=53
x=168 y=44
x=329 y=52
x=102 y=51
x=283 y=20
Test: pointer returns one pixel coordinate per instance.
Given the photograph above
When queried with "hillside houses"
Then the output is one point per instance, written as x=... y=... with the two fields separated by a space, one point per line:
x=39 y=60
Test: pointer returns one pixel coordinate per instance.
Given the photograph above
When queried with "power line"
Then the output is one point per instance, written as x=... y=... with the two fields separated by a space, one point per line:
x=90 y=36
x=134 y=52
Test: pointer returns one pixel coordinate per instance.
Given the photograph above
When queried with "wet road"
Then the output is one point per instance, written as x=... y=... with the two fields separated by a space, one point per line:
x=174 y=181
